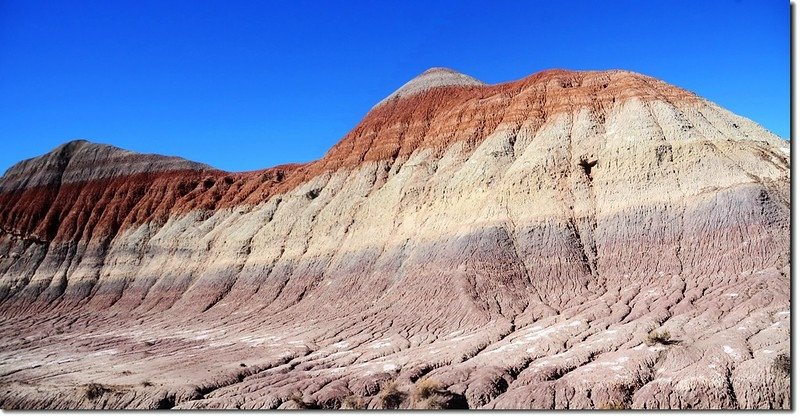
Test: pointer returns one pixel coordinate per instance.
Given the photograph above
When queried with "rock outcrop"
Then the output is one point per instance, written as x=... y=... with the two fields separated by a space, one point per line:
x=568 y=240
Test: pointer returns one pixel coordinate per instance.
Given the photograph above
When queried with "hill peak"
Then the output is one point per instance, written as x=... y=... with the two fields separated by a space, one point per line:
x=432 y=78
x=82 y=160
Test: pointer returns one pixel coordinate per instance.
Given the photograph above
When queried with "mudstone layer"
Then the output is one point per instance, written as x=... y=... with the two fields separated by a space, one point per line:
x=568 y=240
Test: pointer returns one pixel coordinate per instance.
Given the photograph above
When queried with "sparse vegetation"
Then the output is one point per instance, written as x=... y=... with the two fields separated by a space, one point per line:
x=390 y=396
x=297 y=399
x=434 y=402
x=312 y=194
x=613 y=405
x=147 y=383
x=428 y=394
x=782 y=364
x=658 y=338
x=353 y=403
x=426 y=388
x=94 y=391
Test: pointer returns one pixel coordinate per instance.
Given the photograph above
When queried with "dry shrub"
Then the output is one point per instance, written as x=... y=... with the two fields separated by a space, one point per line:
x=782 y=364
x=353 y=403
x=425 y=389
x=613 y=405
x=658 y=338
x=428 y=394
x=390 y=396
x=297 y=399
x=94 y=391
x=434 y=402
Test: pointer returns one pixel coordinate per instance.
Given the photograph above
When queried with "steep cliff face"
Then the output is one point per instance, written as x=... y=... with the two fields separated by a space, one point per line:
x=515 y=243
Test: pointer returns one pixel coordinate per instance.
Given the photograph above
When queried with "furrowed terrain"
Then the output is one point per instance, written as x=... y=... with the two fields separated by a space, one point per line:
x=568 y=240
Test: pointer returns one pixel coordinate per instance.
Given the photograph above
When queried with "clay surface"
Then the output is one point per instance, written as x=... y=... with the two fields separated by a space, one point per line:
x=568 y=240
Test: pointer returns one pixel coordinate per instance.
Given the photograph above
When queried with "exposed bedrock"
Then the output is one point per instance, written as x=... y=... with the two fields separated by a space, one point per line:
x=569 y=240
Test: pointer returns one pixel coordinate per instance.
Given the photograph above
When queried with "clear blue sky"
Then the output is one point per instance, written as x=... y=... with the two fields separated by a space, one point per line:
x=245 y=85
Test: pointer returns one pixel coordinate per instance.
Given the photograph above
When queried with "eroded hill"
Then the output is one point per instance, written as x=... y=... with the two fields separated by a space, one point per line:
x=568 y=240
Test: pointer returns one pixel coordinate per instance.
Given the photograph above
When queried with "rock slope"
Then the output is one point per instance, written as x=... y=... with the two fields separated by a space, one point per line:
x=568 y=240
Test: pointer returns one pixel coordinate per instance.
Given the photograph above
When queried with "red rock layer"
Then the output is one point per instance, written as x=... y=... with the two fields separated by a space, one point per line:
x=433 y=119
x=523 y=275
x=440 y=117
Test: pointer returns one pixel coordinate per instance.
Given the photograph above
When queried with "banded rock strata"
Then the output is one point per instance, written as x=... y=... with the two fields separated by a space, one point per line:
x=512 y=245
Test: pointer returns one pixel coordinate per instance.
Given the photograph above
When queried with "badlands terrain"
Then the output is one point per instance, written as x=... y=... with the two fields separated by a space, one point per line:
x=567 y=240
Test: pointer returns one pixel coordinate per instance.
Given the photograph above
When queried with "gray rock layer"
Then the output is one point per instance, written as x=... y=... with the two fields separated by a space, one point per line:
x=634 y=260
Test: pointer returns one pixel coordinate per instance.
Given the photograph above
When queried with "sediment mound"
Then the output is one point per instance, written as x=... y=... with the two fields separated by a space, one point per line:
x=568 y=240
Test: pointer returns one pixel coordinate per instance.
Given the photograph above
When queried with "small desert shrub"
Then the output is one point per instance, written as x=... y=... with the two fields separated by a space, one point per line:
x=425 y=389
x=428 y=394
x=297 y=399
x=390 y=396
x=613 y=405
x=434 y=402
x=94 y=391
x=147 y=383
x=352 y=403
x=312 y=194
x=782 y=364
x=658 y=338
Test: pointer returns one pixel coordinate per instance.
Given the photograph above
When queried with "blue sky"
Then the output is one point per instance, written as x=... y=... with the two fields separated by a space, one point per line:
x=245 y=85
